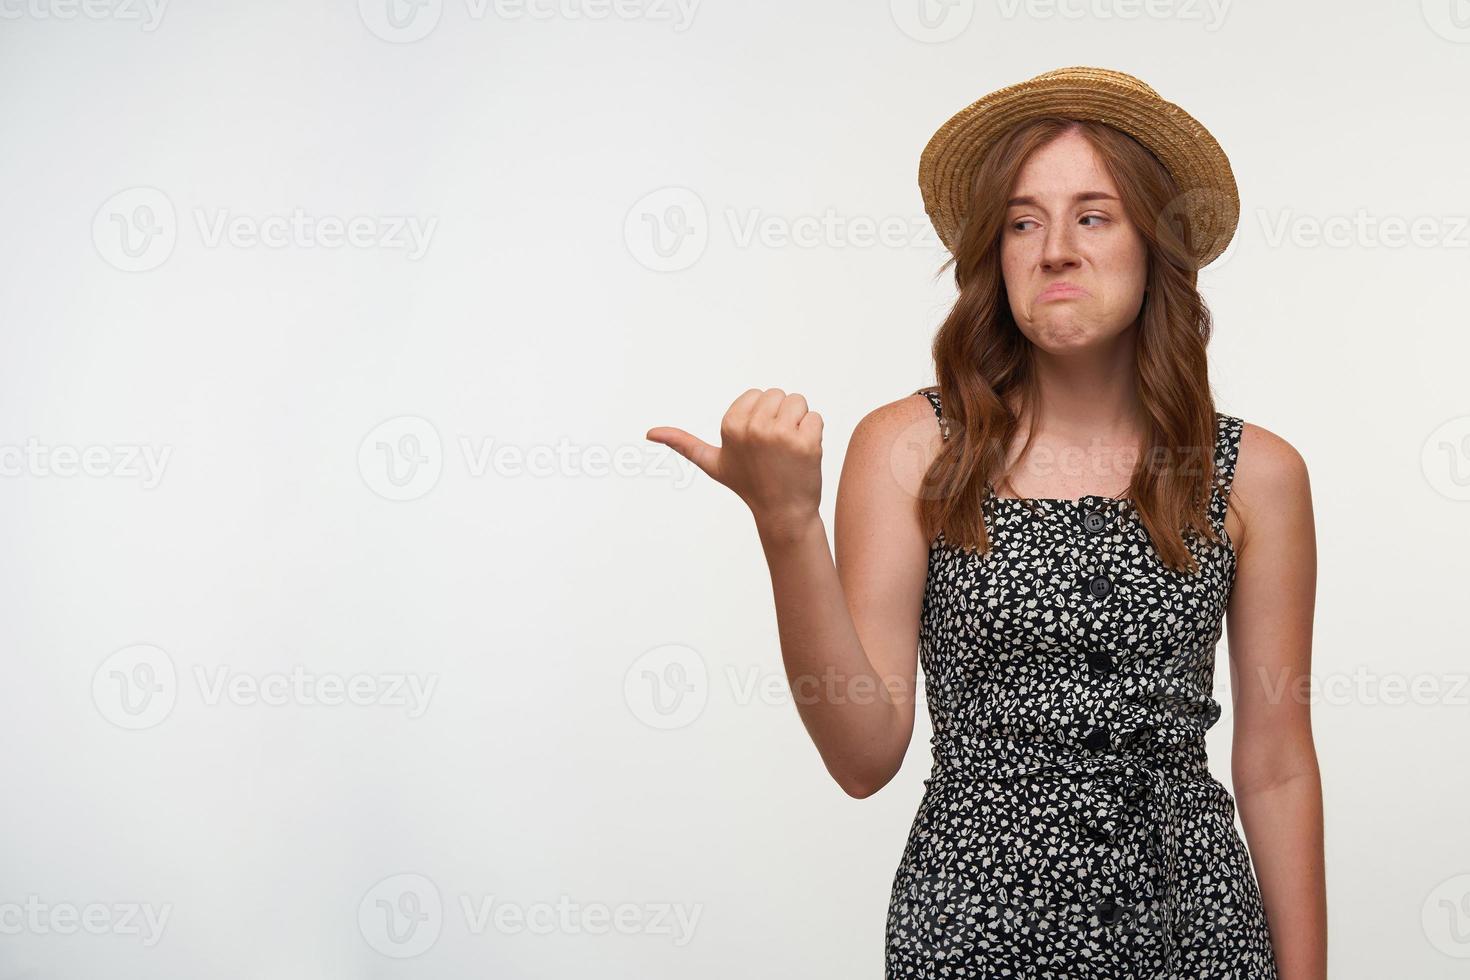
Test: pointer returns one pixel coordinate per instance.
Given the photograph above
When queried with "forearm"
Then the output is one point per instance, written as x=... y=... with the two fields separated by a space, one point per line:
x=848 y=710
x=1283 y=827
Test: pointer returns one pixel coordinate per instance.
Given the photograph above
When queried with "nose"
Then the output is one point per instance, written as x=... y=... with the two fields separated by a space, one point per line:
x=1059 y=249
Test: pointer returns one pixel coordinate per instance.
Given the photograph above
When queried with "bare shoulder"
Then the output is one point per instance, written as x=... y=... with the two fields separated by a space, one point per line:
x=903 y=411
x=1271 y=483
x=897 y=424
x=892 y=447
x=1267 y=463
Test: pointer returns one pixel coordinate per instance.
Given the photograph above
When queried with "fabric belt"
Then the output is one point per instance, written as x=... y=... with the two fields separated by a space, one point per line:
x=1149 y=787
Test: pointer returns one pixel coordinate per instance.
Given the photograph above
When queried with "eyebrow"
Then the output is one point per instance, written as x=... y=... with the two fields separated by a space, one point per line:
x=1077 y=198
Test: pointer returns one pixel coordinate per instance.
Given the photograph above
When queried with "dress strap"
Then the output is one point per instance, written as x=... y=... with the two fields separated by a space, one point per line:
x=1227 y=450
x=933 y=395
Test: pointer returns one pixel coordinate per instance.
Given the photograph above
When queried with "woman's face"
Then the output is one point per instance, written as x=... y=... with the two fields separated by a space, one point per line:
x=1065 y=225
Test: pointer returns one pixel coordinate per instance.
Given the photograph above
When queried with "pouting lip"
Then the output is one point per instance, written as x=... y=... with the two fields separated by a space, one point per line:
x=1062 y=289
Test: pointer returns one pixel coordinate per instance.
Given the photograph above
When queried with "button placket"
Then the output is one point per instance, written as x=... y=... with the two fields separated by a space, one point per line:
x=1094 y=519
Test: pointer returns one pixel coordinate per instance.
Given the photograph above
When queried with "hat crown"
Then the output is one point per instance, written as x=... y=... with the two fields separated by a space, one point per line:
x=1088 y=73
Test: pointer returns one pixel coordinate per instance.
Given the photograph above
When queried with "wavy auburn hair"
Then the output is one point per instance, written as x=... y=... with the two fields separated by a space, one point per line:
x=981 y=356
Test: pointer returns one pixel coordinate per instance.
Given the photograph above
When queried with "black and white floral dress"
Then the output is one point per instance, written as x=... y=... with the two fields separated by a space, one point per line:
x=1070 y=827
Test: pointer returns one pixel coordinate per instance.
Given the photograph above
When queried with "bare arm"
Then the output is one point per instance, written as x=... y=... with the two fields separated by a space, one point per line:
x=1273 y=760
x=849 y=627
x=868 y=607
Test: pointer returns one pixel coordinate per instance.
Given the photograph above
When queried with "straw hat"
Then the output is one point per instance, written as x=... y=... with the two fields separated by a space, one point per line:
x=1186 y=149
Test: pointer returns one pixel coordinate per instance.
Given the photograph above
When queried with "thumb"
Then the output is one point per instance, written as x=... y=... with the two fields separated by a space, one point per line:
x=691 y=447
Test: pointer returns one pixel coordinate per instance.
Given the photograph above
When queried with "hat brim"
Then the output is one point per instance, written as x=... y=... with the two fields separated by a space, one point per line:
x=1208 y=193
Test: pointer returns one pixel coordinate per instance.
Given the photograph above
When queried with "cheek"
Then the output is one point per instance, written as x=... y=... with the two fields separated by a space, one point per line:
x=1121 y=296
x=1014 y=266
x=1127 y=274
x=1133 y=265
x=1008 y=263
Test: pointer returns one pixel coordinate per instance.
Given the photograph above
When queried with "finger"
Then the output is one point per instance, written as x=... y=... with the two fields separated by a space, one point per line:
x=738 y=415
x=811 y=423
x=793 y=407
x=691 y=447
x=769 y=404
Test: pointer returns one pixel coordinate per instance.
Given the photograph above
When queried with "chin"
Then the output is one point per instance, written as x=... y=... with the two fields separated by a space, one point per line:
x=1063 y=334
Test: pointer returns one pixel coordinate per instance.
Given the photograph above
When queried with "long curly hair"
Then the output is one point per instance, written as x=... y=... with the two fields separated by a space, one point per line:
x=982 y=360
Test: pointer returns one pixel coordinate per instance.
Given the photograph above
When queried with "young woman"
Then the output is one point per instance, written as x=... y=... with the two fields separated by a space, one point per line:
x=1070 y=826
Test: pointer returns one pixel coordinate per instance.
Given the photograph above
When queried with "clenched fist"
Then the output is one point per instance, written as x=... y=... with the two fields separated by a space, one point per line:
x=770 y=454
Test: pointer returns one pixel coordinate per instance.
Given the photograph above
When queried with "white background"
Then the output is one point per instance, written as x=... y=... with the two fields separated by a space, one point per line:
x=546 y=316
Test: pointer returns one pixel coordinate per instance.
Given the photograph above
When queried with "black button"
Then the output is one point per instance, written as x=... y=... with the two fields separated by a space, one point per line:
x=1100 y=586
x=1108 y=911
x=1094 y=521
x=1096 y=740
x=1100 y=661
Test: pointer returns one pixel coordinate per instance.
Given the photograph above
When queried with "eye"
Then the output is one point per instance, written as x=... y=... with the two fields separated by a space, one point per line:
x=1097 y=216
x=1016 y=225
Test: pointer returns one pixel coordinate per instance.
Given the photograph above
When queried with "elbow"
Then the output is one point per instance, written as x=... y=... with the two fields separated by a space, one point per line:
x=867 y=770
x=861 y=785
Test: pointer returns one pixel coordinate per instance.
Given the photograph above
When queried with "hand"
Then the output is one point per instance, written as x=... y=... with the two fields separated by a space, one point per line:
x=770 y=455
